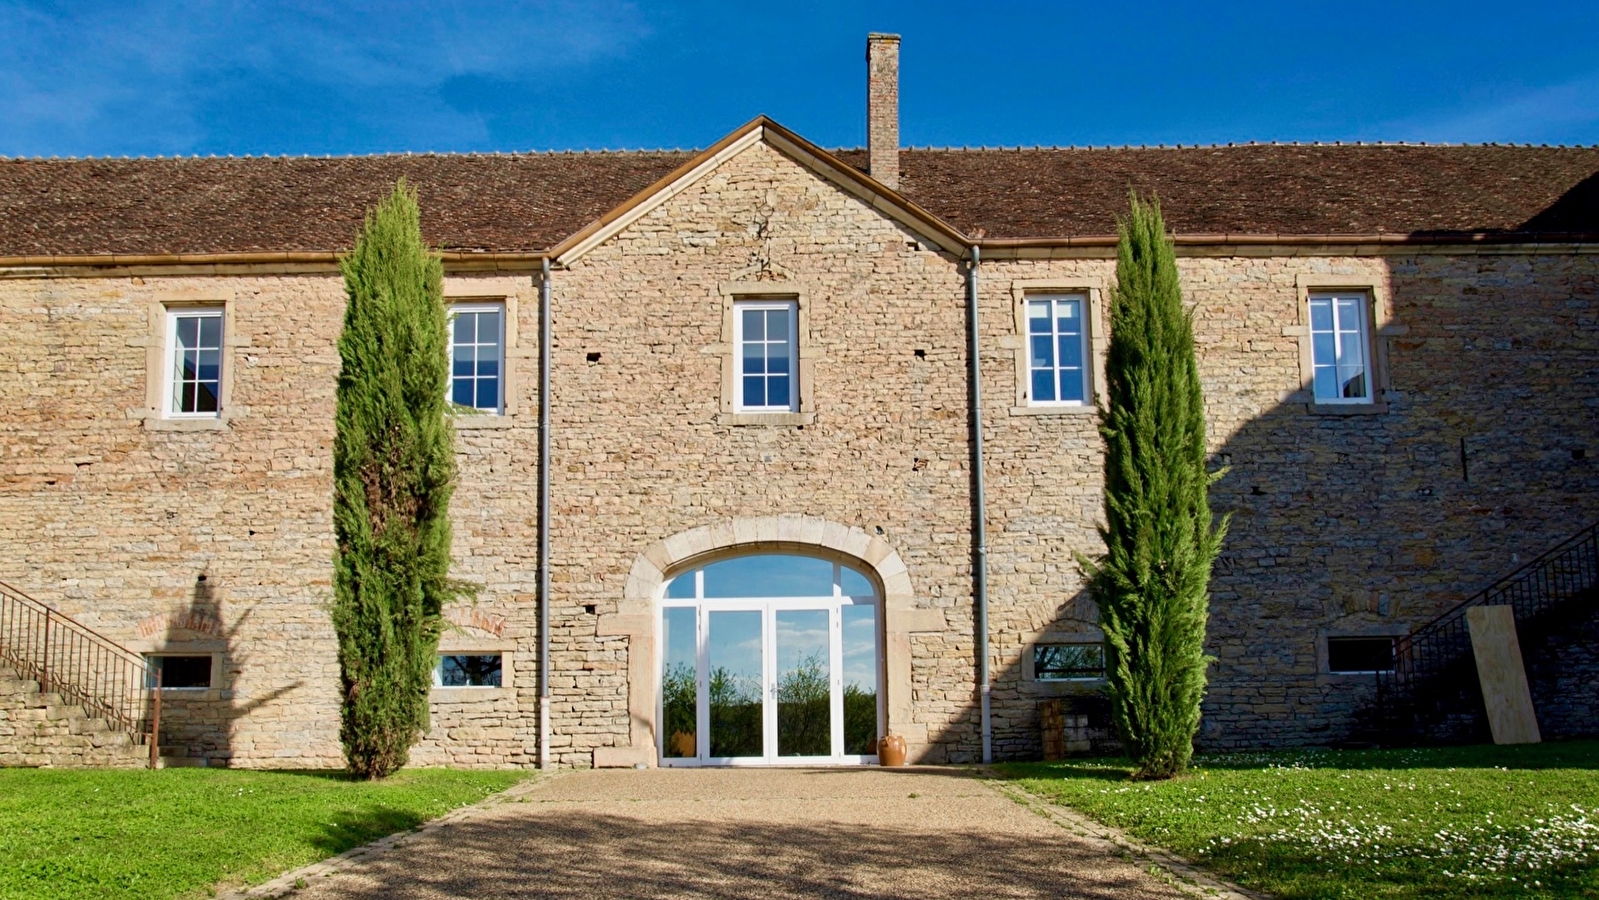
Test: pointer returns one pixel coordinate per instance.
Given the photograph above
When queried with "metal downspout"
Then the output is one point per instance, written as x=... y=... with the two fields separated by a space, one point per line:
x=979 y=505
x=544 y=516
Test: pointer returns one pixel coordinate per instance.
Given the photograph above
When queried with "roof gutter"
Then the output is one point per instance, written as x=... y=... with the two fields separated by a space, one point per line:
x=519 y=258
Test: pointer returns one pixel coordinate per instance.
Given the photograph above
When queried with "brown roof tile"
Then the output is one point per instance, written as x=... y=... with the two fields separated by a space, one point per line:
x=526 y=202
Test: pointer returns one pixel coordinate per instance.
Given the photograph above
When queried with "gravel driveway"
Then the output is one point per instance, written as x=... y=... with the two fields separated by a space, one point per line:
x=740 y=834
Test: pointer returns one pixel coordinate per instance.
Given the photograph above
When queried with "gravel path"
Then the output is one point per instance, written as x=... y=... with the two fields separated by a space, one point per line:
x=737 y=834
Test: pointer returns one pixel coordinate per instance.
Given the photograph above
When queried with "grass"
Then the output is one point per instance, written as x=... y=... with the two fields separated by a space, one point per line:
x=1459 y=822
x=178 y=833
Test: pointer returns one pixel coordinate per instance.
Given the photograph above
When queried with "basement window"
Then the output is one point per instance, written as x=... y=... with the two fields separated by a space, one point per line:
x=468 y=670
x=1360 y=655
x=185 y=672
x=1068 y=662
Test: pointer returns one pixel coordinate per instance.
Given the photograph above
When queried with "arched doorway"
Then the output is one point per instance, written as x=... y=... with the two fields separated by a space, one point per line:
x=770 y=658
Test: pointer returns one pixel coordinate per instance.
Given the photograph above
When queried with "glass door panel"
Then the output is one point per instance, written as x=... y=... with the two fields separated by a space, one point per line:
x=859 y=625
x=734 y=645
x=680 y=683
x=804 y=686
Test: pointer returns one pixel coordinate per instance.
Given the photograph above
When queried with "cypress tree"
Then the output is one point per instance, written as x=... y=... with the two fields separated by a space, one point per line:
x=393 y=473
x=1152 y=585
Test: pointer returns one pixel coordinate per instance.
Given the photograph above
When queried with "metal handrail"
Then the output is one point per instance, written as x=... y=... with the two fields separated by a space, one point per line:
x=1567 y=570
x=68 y=658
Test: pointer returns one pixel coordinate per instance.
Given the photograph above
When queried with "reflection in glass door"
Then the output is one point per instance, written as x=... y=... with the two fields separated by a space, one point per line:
x=769 y=659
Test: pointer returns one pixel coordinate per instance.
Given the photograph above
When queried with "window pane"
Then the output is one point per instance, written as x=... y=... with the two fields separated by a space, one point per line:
x=777 y=359
x=777 y=325
x=733 y=655
x=1348 y=314
x=205 y=397
x=1321 y=315
x=1349 y=350
x=1354 y=383
x=754 y=325
x=754 y=359
x=210 y=365
x=1060 y=661
x=1360 y=654
x=465 y=361
x=679 y=680
x=803 y=645
x=1066 y=318
x=186 y=403
x=754 y=390
x=1071 y=350
x=181 y=671
x=488 y=328
x=465 y=327
x=860 y=678
x=681 y=587
x=1071 y=384
x=769 y=575
x=1043 y=384
x=1043 y=351
x=777 y=391
x=191 y=364
x=488 y=365
x=488 y=393
x=1326 y=382
x=211 y=331
x=1323 y=349
x=1038 y=317
x=188 y=331
x=854 y=584
x=468 y=670
x=461 y=392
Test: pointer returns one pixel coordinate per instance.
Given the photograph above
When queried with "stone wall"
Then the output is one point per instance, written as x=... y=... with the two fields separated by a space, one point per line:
x=1341 y=524
x=39 y=729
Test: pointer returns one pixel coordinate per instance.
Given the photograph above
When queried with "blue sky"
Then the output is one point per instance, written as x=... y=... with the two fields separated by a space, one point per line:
x=136 y=77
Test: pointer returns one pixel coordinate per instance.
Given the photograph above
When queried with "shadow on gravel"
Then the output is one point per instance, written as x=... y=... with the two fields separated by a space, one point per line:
x=572 y=854
x=354 y=827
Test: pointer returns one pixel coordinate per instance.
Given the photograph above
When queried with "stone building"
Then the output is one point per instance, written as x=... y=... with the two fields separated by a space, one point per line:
x=760 y=442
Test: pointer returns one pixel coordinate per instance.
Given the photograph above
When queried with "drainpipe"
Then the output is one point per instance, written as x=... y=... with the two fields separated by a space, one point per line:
x=544 y=516
x=979 y=505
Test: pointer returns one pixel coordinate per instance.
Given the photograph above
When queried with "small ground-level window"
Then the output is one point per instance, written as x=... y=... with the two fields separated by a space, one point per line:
x=1360 y=655
x=467 y=670
x=1068 y=662
x=180 y=671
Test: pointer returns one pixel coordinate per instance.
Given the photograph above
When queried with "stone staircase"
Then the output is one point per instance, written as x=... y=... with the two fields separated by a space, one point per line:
x=45 y=729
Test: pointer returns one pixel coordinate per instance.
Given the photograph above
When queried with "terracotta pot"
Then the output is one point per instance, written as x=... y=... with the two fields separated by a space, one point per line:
x=891 y=750
x=682 y=744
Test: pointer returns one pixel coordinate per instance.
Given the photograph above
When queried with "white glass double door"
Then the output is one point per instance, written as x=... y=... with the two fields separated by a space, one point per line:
x=769 y=681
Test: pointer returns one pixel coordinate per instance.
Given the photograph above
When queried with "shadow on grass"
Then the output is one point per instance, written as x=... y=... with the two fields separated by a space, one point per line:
x=353 y=827
x=1553 y=755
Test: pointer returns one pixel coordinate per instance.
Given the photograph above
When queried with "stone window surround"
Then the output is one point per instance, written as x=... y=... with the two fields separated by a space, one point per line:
x=805 y=354
x=158 y=358
x=1380 y=325
x=212 y=647
x=463 y=644
x=1369 y=630
x=638 y=614
x=1060 y=686
x=1098 y=341
x=501 y=292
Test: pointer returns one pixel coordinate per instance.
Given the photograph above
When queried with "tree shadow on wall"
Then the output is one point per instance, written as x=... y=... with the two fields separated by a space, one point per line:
x=200 y=725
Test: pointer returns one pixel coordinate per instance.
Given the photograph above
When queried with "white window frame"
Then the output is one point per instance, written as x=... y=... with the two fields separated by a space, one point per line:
x=1085 y=348
x=1032 y=661
x=169 y=402
x=1362 y=303
x=456 y=309
x=739 y=308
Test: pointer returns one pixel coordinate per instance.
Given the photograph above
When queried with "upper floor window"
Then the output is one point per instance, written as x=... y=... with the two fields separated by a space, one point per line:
x=1340 y=348
x=764 y=340
x=477 y=354
x=194 y=362
x=1057 y=350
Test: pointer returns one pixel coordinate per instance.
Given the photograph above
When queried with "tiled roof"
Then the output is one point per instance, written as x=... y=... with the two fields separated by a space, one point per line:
x=528 y=202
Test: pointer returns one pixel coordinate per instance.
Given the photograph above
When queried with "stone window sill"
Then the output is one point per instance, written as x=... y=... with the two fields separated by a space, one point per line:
x=789 y=419
x=156 y=423
x=475 y=423
x=469 y=694
x=1053 y=410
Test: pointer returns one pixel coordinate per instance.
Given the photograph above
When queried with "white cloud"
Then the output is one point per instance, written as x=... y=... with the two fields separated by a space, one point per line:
x=141 y=74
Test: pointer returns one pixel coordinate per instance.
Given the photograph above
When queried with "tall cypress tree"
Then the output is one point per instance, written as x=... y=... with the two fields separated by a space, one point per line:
x=1152 y=585
x=393 y=473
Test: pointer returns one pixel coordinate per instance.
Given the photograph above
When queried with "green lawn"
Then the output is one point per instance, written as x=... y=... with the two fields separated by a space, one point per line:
x=178 y=832
x=1363 y=825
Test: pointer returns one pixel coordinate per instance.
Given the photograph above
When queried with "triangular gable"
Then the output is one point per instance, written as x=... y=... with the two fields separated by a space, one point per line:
x=823 y=164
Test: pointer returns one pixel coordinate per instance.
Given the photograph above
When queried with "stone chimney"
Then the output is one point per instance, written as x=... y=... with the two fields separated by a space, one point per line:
x=882 y=108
